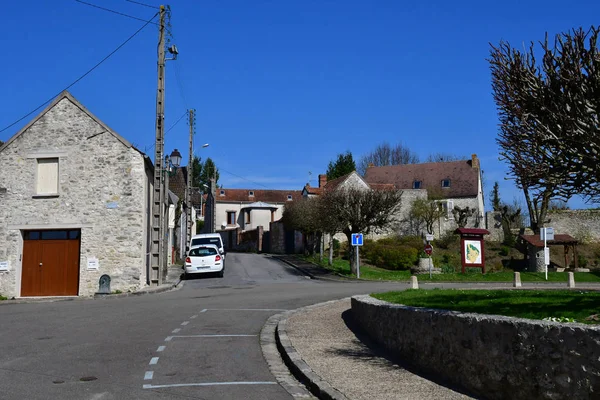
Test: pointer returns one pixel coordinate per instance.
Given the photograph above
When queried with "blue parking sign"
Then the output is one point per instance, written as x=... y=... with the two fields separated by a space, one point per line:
x=357 y=239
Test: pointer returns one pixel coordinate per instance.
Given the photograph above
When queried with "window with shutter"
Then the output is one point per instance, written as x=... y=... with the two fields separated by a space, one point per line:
x=47 y=176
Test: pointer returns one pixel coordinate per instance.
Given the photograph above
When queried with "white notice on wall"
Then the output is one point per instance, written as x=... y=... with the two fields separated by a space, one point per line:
x=93 y=263
x=3 y=265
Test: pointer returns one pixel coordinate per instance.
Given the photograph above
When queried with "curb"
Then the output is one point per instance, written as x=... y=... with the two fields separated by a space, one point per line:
x=299 y=368
x=164 y=288
x=311 y=276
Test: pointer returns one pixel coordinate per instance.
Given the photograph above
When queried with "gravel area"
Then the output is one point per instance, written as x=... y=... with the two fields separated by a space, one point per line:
x=325 y=343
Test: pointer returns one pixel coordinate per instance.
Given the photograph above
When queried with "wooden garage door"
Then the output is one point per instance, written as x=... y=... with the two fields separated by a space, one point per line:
x=50 y=263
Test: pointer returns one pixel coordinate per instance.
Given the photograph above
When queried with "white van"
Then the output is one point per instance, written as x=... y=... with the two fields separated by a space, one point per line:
x=207 y=238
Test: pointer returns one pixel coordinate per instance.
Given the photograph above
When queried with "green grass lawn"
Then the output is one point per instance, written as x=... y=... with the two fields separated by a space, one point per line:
x=342 y=267
x=533 y=304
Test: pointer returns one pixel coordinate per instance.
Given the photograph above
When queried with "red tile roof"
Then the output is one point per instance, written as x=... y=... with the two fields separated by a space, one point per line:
x=463 y=177
x=267 y=196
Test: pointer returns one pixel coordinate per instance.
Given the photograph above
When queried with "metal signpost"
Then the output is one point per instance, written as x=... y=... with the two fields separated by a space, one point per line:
x=428 y=251
x=545 y=235
x=357 y=240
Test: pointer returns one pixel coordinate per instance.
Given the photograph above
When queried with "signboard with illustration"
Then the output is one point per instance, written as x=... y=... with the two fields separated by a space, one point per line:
x=472 y=248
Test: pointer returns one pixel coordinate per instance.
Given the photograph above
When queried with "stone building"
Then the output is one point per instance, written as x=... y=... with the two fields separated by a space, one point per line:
x=76 y=200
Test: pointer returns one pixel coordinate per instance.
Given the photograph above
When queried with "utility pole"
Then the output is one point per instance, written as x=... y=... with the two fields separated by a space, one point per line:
x=190 y=174
x=157 y=263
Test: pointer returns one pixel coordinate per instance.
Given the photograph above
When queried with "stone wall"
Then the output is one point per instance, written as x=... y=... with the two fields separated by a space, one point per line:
x=494 y=225
x=490 y=356
x=583 y=225
x=277 y=237
x=103 y=189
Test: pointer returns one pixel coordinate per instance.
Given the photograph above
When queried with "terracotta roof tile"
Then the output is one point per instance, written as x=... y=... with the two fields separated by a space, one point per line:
x=463 y=177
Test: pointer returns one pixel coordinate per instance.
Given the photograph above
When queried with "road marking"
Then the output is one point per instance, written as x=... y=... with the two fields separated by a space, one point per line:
x=207 y=384
x=176 y=330
x=246 y=309
x=193 y=316
x=153 y=360
x=206 y=336
x=204 y=310
x=185 y=323
x=168 y=338
x=161 y=348
x=148 y=375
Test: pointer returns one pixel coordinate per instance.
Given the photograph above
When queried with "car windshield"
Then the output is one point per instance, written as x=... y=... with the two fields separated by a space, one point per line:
x=207 y=240
x=203 y=251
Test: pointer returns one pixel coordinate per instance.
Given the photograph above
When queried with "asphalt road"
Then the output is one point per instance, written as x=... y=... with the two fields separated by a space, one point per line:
x=199 y=342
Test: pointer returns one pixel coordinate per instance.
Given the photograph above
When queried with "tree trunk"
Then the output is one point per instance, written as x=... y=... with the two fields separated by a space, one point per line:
x=330 y=249
x=352 y=252
x=321 y=246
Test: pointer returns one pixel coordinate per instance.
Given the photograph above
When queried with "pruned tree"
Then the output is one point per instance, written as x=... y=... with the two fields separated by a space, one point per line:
x=444 y=157
x=208 y=171
x=462 y=215
x=343 y=165
x=495 y=197
x=303 y=216
x=196 y=173
x=385 y=154
x=549 y=118
x=362 y=211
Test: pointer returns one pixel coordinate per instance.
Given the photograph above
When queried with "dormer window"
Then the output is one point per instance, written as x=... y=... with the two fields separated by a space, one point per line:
x=417 y=184
x=445 y=183
x=289 y=197
x=251 y=193
x=222 y=193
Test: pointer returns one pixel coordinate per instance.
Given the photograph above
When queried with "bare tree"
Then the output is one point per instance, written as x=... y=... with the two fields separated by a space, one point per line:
x=363 y=211
x=428 y=211
x=303 y=216
x=385 y=154
x=549 y=127
x=462 y=215
x=444 y=157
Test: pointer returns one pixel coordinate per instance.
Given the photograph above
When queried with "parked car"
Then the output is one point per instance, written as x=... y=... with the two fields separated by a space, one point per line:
x=208 y=238
x=204 y=259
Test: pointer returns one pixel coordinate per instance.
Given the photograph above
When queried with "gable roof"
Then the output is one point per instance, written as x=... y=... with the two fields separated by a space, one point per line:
x=464 y=178
x=67 y=95
x=267 y=196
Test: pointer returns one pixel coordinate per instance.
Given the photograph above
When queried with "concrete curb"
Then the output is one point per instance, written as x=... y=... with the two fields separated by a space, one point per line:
x=309 y=274
x=161 y=289
x=270 y=350
x=298 y=367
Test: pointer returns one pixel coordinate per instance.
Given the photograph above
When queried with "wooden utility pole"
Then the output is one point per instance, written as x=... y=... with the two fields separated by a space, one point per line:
x=190 y=175
x=157 y=261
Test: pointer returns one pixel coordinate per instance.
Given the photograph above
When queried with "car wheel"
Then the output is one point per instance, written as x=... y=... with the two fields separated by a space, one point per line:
x=222 y=273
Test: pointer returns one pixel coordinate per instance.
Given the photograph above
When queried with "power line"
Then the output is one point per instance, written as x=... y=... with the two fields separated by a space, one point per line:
x=241 y=177
x=146 y=149
x=142 y=4
x=180 y=85
x=82 y=76
x=112 y=11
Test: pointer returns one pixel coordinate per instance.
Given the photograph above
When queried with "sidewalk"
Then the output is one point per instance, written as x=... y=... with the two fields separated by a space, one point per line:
x=331 y=360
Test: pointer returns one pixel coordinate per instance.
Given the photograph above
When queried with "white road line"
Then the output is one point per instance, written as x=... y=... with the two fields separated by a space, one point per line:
x=148 y=375
x=153 y=360
x=161 y=348
x=246 y=309
x=204 y=310
x=207 y=336
x=184 y=323
x=176 y=330
x=193 y=316
x=207 y=384
x=168 y=338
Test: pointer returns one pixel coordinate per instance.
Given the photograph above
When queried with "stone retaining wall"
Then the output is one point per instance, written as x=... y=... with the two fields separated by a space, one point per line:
x=492 y=357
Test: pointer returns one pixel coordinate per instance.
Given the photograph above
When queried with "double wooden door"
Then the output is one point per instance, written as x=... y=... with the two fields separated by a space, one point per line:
x=50 y=263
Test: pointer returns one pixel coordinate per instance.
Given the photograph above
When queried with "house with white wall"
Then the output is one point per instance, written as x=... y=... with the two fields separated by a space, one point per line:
x=76 y=200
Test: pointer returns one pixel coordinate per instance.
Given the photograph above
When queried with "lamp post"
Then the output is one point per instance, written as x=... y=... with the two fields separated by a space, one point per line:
x=189 y=189
x=172 y=161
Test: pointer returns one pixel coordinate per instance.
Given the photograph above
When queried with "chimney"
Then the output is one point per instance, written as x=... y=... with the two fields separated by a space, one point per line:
x=474 y=161
x=322 y=180
x=370 y=165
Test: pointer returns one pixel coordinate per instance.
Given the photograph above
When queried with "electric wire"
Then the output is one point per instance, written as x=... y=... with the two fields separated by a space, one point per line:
x=82 y=76
x=112 y=11
x=143 y=4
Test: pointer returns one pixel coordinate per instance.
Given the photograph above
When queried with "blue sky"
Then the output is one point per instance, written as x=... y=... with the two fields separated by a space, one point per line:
x=281 y=87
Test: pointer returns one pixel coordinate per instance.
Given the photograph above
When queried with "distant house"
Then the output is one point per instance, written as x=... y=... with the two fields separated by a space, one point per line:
x=453 y=183
x=76 y=200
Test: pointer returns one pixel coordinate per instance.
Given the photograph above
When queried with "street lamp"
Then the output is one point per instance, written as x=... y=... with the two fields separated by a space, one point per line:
x=176 y=158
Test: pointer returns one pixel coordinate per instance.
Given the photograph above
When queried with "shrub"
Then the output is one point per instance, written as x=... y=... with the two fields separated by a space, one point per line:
x=448 y=269
x=336 y=245
x=397 y=257
x=504 y=251
x=447 y=240
x=582 y=262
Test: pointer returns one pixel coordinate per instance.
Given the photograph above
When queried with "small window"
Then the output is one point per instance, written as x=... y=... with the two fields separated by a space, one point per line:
x=248 y=216
x=47 y=177
x=202 y=252
x=417 y=185
x=222 y=193
x=448 y=206
x=445 y=183
x=289 y=197
x=251 y=193
x=231 y=217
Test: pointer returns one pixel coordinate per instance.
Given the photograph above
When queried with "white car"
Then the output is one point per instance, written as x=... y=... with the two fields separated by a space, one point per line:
x=204 y=259
x=206 y=239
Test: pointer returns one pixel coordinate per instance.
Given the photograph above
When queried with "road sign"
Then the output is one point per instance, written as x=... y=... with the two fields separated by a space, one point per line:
x=547 y=234
x=429 y=237
x=357 y=239
x=428 y=249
